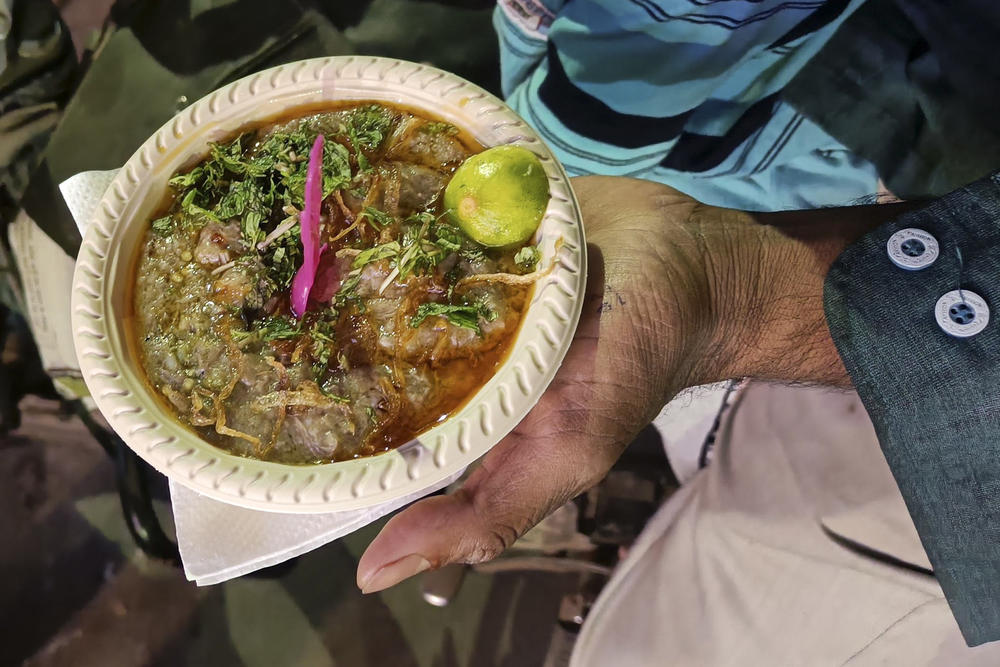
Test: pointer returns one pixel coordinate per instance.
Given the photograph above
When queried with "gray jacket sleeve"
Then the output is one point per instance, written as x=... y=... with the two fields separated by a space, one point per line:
x=934 y=399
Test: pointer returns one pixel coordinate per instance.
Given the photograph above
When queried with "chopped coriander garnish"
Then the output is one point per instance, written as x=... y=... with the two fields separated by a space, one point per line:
x=270 y=329
x=368 y=126
x=466 y=316
x=376 y=253
x=322 y=335
x=283 y=258
x=449 y=239
x=440 y=128
x=348 y=291
x=162 y=225
x=251 y=203
x=376 y=218
x=425 y=243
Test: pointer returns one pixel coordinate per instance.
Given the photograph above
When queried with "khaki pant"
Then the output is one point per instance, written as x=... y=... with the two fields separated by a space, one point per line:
x=792 y=548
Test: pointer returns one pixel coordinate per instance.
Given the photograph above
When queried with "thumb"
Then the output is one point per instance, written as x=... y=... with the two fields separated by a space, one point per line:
x=518 y=484
x=428 y=535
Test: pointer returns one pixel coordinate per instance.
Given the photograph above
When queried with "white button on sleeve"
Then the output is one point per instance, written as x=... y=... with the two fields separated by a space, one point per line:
x=962 y=313
x=912 y=249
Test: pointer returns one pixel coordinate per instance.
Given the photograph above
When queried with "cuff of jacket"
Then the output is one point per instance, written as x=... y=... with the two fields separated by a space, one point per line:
x=934 y=399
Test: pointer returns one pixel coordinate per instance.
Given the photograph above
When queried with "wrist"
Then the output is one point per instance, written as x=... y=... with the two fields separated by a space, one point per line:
x=771 y=322
x=773 y=318
x=764 y=277
x=698 y=294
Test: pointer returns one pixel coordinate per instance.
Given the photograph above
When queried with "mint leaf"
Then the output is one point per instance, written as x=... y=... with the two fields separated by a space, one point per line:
x=448 y=238
x=467 y=316
x=368 y=126
x=162 y=225
x=376 y=218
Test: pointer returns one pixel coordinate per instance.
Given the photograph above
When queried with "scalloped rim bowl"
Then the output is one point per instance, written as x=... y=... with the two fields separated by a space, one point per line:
x=104 y=265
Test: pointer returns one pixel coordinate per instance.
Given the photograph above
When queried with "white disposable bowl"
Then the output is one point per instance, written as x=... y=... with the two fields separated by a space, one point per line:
x=104 y=273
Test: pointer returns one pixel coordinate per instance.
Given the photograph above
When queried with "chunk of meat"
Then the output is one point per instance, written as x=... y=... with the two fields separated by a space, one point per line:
x=388 y=318
x=373 y=276
x=418 y=187
x=425 y=143
x=234 y=287
x=340 y=432
x=437 y=340
x=218 y=244
x=399 y=189
x=302 y=438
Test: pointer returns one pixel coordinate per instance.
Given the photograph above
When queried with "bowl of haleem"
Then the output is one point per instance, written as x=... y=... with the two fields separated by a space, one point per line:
x=329 y=285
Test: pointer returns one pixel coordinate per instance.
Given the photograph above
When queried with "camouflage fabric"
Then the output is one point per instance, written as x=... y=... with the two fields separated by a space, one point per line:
x=37 y=64
x=224 y=40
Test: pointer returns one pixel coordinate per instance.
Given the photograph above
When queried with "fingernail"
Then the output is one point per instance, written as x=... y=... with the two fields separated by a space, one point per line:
x=395 y=572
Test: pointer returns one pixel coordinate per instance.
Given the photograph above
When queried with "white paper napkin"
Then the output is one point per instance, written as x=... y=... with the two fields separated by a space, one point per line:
x=219 y=541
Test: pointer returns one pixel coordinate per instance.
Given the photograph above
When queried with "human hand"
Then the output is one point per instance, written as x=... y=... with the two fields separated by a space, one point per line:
x=644 y=316
x=678 y=294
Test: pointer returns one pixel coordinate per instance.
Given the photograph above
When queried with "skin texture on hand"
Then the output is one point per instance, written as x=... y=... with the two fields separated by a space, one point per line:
x=679 y=294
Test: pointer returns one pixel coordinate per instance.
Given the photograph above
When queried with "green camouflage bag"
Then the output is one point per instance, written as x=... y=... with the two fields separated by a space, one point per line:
x=37 y=66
